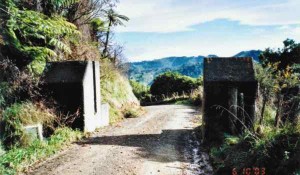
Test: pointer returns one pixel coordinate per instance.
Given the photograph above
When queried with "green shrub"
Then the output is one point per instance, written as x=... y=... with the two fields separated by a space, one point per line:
x=5 y=93
x=231 y=140
x=196 y=96
x=64 y=136
x=140 y=91
x=97 y=24
x=269 y=116
x=18 y=159
x=199 y=81
x=172 y=82
x=276 y=150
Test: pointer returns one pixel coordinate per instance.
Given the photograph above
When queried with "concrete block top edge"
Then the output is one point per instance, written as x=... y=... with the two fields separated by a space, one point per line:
x=229 y=69
x=65 y=71
x=247 y=59
x=69 y=62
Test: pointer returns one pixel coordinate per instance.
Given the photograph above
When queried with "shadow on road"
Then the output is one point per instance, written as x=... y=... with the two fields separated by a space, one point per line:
x=169 y=146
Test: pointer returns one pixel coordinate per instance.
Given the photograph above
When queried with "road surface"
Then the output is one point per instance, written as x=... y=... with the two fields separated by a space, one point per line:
x=162 y=142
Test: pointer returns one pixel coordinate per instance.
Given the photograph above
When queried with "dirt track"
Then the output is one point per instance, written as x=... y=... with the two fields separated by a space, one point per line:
x=160 y=142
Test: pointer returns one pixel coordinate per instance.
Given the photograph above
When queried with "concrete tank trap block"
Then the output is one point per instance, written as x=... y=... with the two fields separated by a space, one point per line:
x=230 y=90
x=34 y=131
x=75 y=85
x=105 y=114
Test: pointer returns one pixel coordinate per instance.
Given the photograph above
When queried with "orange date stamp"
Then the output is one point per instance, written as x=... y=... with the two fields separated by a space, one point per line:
x=250 y=171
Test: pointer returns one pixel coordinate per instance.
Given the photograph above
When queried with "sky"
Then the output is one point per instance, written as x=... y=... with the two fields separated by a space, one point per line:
x=162 y=28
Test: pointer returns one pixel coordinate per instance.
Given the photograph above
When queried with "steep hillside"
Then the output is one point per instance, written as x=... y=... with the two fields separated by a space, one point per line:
x=116 y=91
x=146 y=71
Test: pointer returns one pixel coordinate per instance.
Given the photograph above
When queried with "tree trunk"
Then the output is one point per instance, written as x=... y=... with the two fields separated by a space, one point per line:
x=104 y=54
x=265 y=99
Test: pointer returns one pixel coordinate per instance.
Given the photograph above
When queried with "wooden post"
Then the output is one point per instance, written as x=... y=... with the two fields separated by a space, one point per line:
x=232 y=105
x=250 y=112
x=241 y=113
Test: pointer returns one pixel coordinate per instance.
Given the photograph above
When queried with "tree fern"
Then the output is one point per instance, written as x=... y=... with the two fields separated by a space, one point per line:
x=36 y=35
x=52 y=7
x=63 y=3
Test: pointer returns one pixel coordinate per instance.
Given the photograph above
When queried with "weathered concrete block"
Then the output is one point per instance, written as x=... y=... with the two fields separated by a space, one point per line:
x=105 y=114
x=34 y=131
x=229 y=88
x=75 y=85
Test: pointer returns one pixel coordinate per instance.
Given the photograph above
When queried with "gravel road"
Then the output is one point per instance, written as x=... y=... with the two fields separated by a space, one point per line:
x=162 y=142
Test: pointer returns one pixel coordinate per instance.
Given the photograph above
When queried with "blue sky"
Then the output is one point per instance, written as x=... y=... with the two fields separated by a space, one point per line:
x=162 y=28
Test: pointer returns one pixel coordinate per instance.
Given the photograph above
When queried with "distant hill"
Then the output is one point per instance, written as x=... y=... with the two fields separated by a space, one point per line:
x=251 y=53
x=146 y=71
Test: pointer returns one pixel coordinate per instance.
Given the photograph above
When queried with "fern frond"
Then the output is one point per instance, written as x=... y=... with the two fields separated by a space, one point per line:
x=56 y=43
x=35 y=34
x=63 y=3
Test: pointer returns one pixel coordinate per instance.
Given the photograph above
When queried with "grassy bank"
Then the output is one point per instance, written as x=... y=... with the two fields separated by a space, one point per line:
x=18 y=159
x=273 y=150
x=117 y=92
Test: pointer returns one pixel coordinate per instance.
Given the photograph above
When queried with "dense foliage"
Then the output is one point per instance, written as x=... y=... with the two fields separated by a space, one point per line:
x=170 y=83
x=140 y=91
x=280 y=77
x=33 y=38
x=276 y=151
x=288 y=56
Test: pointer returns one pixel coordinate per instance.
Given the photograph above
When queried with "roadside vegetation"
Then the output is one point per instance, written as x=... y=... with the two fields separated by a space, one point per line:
x=34 y=32
x=117 y=92
x=18 y=159
x=170 y=87
x=273 y=146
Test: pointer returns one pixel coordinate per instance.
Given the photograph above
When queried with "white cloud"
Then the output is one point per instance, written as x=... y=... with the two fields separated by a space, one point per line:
x=169 y=16
x=296 y=32
x=226 y=46
x=195 y=49
x=176 y=15
x=292 y=32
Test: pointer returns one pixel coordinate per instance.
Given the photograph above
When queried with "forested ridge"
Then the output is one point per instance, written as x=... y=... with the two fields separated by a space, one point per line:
x=146 y=71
